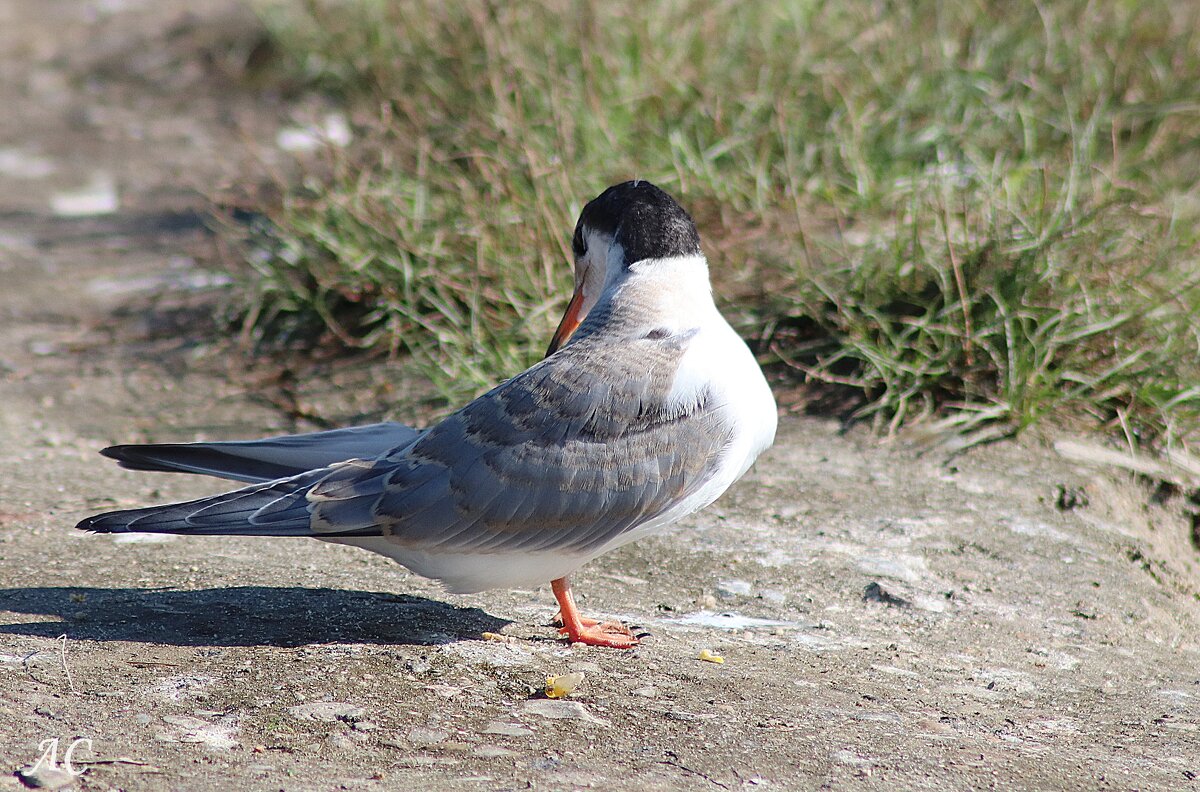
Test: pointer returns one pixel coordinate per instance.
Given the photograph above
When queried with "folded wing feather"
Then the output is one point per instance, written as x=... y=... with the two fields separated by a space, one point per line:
x=551 y=459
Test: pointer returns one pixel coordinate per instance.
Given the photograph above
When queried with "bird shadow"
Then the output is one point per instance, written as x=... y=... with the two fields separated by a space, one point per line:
x=285 y=616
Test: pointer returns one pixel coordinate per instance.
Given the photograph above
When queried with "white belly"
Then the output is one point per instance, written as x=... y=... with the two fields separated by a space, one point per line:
x=470 y=573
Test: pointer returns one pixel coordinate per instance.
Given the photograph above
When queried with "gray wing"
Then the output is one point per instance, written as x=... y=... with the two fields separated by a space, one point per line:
x=570 y=454
x=267 y=459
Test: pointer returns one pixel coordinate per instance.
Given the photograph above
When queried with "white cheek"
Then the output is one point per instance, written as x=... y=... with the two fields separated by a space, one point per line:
x=600 y=267
x=593 y=287
x=614 y=261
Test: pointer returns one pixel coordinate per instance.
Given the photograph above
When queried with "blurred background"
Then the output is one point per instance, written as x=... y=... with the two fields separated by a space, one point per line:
x=974 y=216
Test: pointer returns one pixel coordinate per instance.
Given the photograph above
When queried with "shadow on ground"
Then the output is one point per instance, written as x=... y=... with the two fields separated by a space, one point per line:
x=242 y=616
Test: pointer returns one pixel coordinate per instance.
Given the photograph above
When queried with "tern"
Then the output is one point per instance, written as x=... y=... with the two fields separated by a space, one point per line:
x=646 y=408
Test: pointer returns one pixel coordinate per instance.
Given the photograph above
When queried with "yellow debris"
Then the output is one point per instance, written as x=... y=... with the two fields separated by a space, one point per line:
x=563 y=685
x=498 y=638
x=709 y=657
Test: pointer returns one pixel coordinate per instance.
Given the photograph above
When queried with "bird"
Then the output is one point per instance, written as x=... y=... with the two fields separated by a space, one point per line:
x=645 y=409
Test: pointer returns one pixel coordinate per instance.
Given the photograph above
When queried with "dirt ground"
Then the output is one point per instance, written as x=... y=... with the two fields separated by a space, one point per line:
x=888 y=619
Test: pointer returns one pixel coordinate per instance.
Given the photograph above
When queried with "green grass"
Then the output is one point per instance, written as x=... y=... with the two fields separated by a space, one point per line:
x=983 y=212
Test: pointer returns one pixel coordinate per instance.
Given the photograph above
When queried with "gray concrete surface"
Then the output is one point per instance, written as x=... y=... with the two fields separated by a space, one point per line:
x=888 y=620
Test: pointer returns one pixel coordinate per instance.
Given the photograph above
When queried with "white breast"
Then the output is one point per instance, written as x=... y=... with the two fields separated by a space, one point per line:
x=719 y=362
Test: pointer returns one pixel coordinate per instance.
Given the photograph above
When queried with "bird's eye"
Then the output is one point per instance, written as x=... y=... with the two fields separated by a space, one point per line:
x=579 y=243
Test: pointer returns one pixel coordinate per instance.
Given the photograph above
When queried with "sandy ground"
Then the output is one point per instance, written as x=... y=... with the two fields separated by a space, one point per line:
x=888 y=620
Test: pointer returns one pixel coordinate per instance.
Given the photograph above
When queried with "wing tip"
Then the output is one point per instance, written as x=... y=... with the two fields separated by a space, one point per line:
x=127 y=521
x=100 y=523
x=131 y=458
x=125 y=454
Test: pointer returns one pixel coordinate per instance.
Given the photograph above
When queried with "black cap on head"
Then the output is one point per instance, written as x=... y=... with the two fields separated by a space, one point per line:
x=642 y=219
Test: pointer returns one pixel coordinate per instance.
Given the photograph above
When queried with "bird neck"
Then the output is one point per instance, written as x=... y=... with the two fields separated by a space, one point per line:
x=672 y=293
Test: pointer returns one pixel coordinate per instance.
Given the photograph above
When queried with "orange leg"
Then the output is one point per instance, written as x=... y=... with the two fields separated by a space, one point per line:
x=588 y=631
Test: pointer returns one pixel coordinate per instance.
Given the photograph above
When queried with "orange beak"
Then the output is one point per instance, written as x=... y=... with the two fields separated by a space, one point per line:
x=569 y=322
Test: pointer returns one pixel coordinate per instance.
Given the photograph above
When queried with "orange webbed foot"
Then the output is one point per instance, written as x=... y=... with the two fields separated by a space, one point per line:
x=579 y=629
x=611 y=634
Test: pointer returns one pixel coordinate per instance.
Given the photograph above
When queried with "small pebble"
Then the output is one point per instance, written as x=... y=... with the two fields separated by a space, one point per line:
x=454 y=746
x=45 y=777
x=507 y=729
x=421 y=736
x=558 y=709
x=326 y=711
x=341 y=742
x=730 y=589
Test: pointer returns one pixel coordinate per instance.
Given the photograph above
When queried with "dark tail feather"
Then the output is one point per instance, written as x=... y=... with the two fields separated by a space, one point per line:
x=269 y=459
x=277 y=508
